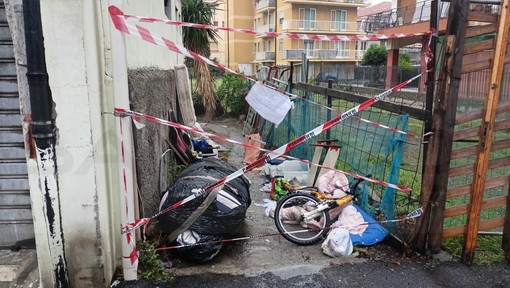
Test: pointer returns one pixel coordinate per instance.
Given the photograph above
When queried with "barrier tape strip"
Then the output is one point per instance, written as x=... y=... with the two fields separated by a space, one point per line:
x=376 y=124
x=277 y=152
x=414 y=214
x=133 y=256
x=137 y=116
x=161 y=41
x=317 y=37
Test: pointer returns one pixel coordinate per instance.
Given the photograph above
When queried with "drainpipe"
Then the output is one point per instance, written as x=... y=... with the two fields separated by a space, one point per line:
x=43 y=132
x=124 y=132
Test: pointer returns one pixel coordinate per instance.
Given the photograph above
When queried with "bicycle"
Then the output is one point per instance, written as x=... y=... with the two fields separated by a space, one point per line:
x=310 y=210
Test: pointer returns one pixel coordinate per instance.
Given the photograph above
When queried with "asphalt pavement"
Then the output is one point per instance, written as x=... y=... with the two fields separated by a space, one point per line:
x=274 y=262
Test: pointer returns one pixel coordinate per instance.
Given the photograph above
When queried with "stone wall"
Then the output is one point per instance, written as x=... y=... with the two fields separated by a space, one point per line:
x=152 y=91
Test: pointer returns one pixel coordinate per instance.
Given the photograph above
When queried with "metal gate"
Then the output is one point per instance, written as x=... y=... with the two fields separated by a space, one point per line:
x=15 y=212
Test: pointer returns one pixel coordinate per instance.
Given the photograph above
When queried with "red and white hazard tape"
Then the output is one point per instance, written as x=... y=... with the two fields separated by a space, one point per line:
x=376 y=124
x=276 y=153
x=133 y=256
x=137 y=116
x=119 y=21
x=317 y=37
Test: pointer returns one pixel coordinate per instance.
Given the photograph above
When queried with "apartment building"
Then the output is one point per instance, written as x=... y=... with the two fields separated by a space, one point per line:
x=248 y=53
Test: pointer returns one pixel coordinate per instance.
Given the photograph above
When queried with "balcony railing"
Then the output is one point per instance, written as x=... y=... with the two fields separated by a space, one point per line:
x=327 y=54
x=264 y=4
x=415 y=13
x=265 y=28
x=336 y=1
x=330 y=26
x=266 y=55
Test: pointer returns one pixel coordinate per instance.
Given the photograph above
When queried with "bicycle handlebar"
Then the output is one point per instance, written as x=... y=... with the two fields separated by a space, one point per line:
x=354 y=187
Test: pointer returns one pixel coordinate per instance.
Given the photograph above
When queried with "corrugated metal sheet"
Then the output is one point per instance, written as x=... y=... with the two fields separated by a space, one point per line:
x=15 y=212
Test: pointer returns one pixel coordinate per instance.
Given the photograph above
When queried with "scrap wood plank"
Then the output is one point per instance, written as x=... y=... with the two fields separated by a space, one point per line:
x=474 y=131
x=470 y=168
x=330 y=160
x=480 y=30
x=479 y=46
x=172 y=94
x=321 y=144
x=486 y=204
x=435 y=181
x=480 y=65
x=484 y=225
x=470 y=151
x=485 y=144
x=475 y=115
x=466 y=189
x=505 y=243
x=483 y=17
x=310 y=181
x=414 y=113
x=186 y=110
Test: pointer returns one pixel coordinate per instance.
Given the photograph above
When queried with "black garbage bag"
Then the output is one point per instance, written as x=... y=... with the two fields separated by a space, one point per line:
x=222 y=218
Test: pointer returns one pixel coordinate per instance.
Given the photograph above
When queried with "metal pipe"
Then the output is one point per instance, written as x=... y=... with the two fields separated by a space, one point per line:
x=43 y=131
x=124 y=137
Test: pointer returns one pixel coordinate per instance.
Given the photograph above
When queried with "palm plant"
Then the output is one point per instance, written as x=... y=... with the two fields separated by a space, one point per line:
x=197 y=40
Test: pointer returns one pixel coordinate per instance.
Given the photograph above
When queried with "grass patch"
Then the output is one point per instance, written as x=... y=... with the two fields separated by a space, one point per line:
x=150 y=266
x=488 y=249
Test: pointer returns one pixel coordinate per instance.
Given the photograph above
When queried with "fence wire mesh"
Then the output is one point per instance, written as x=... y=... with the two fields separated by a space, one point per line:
x=365 y=148
x=472 y=94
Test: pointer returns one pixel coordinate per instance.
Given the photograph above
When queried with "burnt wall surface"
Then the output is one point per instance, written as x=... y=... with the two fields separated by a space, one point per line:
x=152 y=91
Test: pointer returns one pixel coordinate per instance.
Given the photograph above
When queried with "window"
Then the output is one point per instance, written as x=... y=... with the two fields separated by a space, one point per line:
x=215 y=23
x=282 y=14
x=267 y=45
x=338 y=20
x=280 y=45
x=168 y=9
x=363 y=45
x=309 y=46
x=307 y=19
x=339 y=46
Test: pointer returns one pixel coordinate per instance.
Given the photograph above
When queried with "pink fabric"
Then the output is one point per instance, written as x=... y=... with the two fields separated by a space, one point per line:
x=334 y=184
x=351 y=220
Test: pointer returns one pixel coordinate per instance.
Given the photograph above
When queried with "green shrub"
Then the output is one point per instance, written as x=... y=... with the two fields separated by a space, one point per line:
x=149 y=264
x=231 y=92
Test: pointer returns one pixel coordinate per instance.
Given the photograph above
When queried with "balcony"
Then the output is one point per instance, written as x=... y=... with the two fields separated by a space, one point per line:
x=265 y=56
x=322 y=26
x=262 y=5
x=361 y=3
x=323 y=54
x=265 y=28
x=416 y=13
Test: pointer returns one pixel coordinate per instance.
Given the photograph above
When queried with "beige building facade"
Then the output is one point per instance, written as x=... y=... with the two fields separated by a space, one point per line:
x=248 y=53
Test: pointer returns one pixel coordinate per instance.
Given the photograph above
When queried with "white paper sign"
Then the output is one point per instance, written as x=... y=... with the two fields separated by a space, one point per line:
x=270 y=104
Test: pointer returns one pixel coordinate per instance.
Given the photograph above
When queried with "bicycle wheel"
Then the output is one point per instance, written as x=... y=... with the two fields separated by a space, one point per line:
x=290 y=222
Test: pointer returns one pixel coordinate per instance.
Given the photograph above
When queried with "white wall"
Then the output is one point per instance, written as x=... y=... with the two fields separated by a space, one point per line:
x=76 y=38
x=143 y=54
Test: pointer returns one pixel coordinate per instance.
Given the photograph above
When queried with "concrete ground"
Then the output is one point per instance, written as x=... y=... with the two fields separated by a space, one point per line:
x=275 y=262
x=18 y=269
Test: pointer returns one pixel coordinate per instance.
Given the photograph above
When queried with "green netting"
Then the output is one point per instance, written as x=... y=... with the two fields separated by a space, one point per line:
x=365 y=149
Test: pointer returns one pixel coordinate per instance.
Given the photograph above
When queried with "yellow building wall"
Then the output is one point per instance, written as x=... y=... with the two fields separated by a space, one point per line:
x=239 y=48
